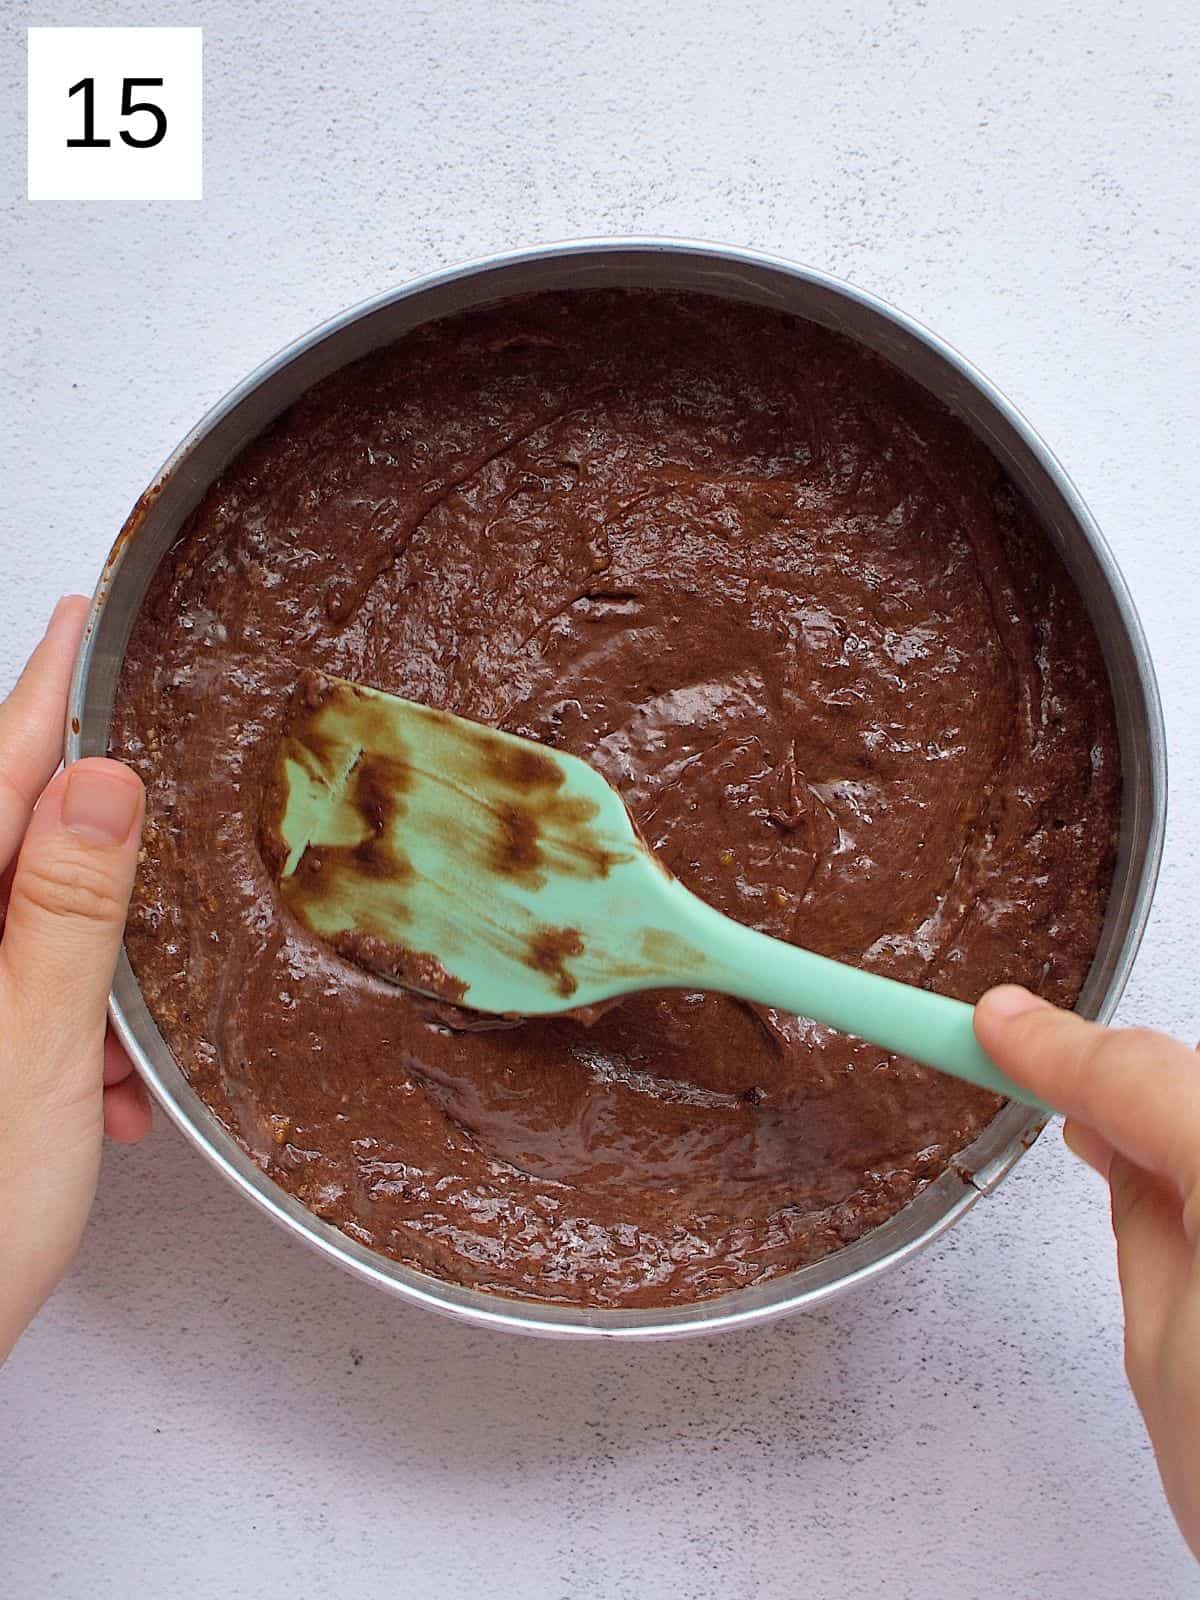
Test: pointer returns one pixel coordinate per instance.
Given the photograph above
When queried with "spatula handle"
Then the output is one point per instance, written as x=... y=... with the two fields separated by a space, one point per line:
x=931 y=1028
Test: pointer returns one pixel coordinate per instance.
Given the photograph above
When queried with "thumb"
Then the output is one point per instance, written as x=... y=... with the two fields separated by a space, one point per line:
x=1138 y=1089
x=70 y=894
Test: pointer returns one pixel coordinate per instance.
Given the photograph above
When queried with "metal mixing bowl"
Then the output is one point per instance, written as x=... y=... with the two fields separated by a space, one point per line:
x=735 y=275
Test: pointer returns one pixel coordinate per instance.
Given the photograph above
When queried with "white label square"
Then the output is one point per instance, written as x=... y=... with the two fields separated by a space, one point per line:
x=102 y=128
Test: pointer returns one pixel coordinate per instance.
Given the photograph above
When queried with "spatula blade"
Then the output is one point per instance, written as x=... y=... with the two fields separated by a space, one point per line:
x=458 y=860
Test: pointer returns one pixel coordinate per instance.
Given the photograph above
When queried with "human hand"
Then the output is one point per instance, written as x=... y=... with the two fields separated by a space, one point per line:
x=68 y=867
x=1132 y=1099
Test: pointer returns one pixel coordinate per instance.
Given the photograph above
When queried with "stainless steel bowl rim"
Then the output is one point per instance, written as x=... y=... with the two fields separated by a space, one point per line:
x=963 y=1183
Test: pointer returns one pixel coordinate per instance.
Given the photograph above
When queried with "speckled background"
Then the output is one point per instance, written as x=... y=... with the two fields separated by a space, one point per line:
x=205 y=1408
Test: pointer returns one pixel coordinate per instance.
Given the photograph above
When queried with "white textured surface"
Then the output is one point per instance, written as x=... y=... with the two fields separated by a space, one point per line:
x=204 y=1408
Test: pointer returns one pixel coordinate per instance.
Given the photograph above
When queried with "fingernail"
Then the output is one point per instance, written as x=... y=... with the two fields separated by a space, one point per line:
x=100 y=805
x=1010 y=1001
x=61 y=608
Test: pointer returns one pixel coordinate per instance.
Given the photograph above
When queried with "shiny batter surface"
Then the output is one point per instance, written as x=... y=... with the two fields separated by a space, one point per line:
x=792 y=611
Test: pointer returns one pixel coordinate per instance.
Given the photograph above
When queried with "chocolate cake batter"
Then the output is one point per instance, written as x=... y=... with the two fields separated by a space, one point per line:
x=792 y=611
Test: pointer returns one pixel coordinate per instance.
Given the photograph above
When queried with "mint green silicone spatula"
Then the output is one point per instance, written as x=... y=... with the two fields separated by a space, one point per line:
x=505 y=876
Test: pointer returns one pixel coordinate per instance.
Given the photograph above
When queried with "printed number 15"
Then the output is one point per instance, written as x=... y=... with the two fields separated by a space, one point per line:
x=129 y=108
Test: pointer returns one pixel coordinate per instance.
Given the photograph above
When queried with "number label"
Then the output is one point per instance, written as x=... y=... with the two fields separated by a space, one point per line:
x=116 y=113
x=129 y=108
